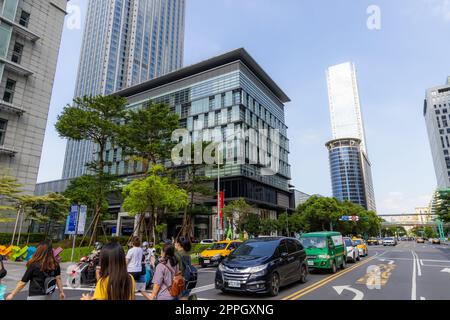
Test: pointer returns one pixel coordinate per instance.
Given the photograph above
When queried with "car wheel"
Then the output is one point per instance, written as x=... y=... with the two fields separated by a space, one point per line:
x=344 y=264
x=354 y=258
x=367 y=253
x=333 y=267
x=303 y=274
x=274 y=289
x=358 y=258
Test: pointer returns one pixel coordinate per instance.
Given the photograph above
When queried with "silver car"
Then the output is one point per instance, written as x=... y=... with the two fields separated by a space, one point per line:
x=351 y=250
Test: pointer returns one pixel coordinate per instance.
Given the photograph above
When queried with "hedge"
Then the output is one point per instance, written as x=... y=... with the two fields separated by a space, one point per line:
x=34 y=238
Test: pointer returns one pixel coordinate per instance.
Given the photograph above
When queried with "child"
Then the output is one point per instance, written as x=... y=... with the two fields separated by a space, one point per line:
x=2 y=275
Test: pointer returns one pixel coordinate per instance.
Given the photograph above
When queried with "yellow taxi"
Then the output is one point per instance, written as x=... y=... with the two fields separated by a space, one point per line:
x=214 y=255
x=362 y=246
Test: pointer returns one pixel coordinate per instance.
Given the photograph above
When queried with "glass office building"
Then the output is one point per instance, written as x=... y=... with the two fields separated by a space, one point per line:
x=347 y=175
x=125 y=42
x=347 y=122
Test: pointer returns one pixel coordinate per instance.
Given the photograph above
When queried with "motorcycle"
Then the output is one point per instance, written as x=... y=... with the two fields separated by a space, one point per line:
x=87 y=267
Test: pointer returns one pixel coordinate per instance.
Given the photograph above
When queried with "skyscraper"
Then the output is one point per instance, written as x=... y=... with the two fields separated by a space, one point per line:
x=436 y=113
x=30 y=36
x=350 y=166
x=125 y=42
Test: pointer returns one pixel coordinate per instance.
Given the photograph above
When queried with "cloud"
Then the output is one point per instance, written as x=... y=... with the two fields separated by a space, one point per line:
x=396 y=202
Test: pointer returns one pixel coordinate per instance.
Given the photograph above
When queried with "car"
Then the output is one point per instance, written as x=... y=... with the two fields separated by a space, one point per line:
x=420 y=240
x=362 y=247
x=325 y=250
x=436 y=241
x=207 y=241
x=352 y=250
x=263 y=266
x=214 y=255
x=372 y=242
x=389 y=241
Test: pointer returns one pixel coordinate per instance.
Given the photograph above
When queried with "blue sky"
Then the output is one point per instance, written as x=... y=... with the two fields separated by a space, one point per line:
x=295 y=41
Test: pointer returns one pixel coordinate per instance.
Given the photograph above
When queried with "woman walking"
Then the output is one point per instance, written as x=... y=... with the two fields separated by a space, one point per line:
x=114 y=283
x=183 y=247
x=136 y=263
x=165 y=273
x=44 y=275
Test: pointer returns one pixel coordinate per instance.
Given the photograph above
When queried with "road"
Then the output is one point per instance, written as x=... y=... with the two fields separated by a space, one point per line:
x=408 y=271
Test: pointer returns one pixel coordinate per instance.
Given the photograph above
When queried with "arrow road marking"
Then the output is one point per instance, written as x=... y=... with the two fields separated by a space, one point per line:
x=359 y=295
x=446 y=270
x=385 y=260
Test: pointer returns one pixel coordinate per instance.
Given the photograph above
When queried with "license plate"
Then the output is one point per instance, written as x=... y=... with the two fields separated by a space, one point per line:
x=310 y=263
x=234 y=284
x=207 y=261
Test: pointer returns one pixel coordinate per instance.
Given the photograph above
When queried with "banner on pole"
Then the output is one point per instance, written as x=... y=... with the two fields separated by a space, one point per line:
x=82 y=220
x=222 y=205
x=71 y=223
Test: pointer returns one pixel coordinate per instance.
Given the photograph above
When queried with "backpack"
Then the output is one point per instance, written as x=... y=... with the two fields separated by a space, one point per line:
x=178 y=284
x=49 y=285
x=190 y=273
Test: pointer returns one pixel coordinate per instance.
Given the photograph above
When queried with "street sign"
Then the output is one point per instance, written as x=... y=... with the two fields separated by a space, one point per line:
x=71 y=223
x=82 y=220
x=350 y=218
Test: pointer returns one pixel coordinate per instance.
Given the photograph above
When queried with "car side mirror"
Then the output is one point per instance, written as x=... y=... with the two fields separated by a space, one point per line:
x=284 y=255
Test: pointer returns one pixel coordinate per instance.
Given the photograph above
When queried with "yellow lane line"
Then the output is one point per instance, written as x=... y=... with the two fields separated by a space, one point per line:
x=319 y=284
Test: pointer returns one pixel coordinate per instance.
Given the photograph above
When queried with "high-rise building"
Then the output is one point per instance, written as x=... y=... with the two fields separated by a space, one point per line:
x=30 y=36
x=436 y=113
x=351 y=172
x=125 y=42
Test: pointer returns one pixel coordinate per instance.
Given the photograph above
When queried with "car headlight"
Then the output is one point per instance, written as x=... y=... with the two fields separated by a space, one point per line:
x=324 y=256
x=217 y=257
x=258 y=268
x=221 y=267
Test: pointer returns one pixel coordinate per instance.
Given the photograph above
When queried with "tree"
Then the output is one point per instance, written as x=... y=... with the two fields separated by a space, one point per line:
x=242 y=218
x=320 y=214
x=96 y=119
x=156 y=195
x=9 y=191
x=147 y=132
x=443 y=209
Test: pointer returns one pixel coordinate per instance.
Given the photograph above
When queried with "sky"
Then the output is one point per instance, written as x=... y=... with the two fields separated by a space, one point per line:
x=295 y=41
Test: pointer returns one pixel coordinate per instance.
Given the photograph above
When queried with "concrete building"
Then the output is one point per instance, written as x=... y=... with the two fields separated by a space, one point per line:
x=349 y=139
x=124 y=43
x=30 y=36
x=436 y=112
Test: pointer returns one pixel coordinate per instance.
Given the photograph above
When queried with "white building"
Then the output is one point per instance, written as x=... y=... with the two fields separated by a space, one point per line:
x=436 y=113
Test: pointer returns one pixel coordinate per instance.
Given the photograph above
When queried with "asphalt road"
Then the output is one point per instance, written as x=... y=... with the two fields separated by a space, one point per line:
x=408 y=271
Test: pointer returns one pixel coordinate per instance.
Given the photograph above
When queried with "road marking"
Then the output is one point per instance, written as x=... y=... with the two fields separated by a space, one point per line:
x=414 y=283
x=358 y=294
x=385 y=260
x=321 y=283
x=421 y=262
x=446 y=270
x=422 y=298
x=204 y=288
x=380 y=275
x=419 y=268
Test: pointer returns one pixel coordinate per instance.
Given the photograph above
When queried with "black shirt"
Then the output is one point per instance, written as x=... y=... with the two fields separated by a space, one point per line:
x=36 y=277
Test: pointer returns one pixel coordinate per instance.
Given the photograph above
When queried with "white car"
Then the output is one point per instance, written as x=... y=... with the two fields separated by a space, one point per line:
x=389 y=242
x=351 y=250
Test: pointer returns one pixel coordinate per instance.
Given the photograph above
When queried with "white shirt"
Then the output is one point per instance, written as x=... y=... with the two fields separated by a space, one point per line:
x=134 y=258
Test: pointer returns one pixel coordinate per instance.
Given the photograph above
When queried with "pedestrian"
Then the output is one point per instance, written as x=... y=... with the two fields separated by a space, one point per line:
x=183 y=246
x=44 y=275
x=3 y=274
x=135 y=263
x=163 y=279
x=115 y=283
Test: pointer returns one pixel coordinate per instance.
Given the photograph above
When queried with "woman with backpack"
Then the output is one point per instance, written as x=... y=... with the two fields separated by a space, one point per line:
x=114 y=283
x=168 y=282
x=44 y=275
x=183 y=247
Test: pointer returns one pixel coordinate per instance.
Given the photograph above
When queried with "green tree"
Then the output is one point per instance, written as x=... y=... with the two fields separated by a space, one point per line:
x=9 y=194
x=156 y=195
x=320 y=214
x=95 y=119
x=443 y=209
x=147 y=132
x=240 y=217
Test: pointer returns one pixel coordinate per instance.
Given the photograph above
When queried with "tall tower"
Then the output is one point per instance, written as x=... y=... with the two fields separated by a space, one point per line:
x=350 y=173
x=125 y=42
x=436 y=113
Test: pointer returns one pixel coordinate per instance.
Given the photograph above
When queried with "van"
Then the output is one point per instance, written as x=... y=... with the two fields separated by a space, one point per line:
x=325 y=250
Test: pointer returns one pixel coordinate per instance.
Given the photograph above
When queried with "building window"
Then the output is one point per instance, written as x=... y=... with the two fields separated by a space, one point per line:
x=17 y=53
x=3 y=124
x=24 y=19
x=10 y=88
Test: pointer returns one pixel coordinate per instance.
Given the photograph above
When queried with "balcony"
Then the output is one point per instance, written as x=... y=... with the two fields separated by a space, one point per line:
x=7 y=151
x=9 y=107
x=16 y=68
x=21 y=30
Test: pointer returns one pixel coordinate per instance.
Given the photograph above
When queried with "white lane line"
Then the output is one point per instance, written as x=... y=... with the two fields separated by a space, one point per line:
x=422 y=298
x=414 y=283
x=204 y=288
x=419 y=268
x=421 y=262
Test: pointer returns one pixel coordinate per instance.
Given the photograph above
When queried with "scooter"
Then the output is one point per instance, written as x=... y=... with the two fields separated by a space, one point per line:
x=88 y=265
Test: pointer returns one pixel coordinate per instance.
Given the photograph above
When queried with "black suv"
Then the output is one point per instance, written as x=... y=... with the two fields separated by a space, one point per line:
x=263 y=265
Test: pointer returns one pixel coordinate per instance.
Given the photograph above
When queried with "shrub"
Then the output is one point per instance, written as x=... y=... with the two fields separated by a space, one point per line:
x=34 y=238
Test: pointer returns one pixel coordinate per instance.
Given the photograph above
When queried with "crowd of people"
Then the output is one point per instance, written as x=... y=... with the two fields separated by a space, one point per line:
x=119 y=275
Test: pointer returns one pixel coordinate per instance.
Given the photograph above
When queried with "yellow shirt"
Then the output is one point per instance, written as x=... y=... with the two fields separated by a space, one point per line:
x=101 y=289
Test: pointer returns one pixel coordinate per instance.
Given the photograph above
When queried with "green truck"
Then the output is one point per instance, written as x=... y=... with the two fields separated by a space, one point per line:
x=324 y=250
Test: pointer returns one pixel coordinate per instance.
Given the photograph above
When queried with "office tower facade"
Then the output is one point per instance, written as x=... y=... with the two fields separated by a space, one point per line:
x=125 y=42
x=217 y=99
x=436 y=113
x=30 y=36
x=351 y=172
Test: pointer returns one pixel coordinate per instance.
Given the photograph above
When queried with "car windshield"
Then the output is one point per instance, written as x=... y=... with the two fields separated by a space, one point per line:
x=389 y=239
x=218 y=246
x=358 y=242
x=314 y=242
x=348 y=243
x=256 y=249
